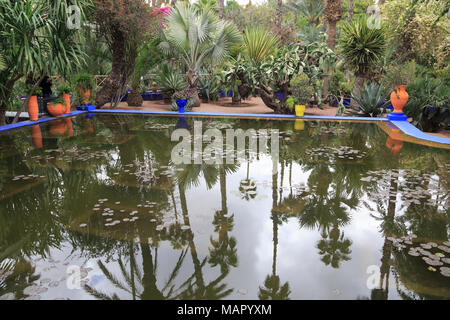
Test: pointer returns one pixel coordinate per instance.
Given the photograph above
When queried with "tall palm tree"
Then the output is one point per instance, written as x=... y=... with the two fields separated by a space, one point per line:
x=333 y=13
x=196 y=36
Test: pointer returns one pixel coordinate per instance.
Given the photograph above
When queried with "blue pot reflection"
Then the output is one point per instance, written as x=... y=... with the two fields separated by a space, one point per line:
x=181 y=104
x=182 y=124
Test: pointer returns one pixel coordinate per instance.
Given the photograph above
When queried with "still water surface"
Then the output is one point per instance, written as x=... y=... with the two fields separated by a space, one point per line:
x=95 y=208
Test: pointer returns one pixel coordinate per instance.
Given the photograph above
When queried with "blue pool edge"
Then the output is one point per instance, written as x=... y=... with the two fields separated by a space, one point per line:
x=406 y=127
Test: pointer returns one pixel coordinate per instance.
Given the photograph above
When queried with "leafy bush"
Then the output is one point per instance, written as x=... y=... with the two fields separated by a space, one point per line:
x=370 y=100
x=63 y=88
x=428 y=104
x=58 y=100
x=210 y=85
x=301 y=89
x=37 y=91
x=401 y=74
x=339 y=87
x=85 y=81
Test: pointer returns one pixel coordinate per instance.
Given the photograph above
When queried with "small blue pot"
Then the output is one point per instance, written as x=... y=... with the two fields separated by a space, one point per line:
x=181 y=104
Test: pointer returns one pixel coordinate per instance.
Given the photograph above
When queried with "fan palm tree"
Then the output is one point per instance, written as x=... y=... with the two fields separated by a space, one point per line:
x=311 y=9
x=196 y=36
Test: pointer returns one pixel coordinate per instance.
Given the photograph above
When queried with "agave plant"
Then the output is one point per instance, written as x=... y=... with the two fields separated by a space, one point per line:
x=196 y=37
x=169 y=80
x=370 y=100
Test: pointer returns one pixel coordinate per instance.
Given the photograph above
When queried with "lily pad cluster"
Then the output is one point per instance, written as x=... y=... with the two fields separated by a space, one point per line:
x=333 y=154
x=410 y=185
x=433 y=254
x=73 y=154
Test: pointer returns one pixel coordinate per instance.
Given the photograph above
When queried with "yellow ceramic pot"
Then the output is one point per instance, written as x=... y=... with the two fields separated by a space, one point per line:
x=299 y=110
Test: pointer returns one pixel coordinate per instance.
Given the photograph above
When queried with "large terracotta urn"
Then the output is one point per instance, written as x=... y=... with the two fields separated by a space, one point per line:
x=399 y=97
x=33 y=108
x=66 y=98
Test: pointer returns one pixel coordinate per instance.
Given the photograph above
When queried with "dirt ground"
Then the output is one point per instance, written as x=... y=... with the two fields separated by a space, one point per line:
x=252 y=105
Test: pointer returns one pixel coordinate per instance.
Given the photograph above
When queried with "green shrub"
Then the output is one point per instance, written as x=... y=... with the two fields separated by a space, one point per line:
x=301 y=90
x=37 y=91
x=428 y=104
x=63 y=88
x=85 y=81
x=444 y=74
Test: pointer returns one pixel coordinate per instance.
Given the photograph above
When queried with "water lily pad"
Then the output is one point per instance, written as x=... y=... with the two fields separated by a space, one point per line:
x=431 y=269
x=440 y=255
x=445 y=271
x=432 y=262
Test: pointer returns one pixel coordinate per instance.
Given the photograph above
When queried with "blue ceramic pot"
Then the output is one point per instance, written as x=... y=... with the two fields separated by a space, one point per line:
x=181 y=104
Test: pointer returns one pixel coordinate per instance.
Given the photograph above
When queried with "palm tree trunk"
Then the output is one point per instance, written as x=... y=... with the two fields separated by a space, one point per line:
x=278 y=14
x=332 y=12
x=221 y=8
x=351 y=5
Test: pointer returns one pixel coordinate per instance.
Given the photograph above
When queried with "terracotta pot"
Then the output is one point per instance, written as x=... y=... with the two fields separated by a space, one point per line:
x=58 y=127
x=66 y=98
x=69 y=126
x=33 y=108
x=84 y=95
x=36 y=136
x=399 y=98
x=56 y=110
